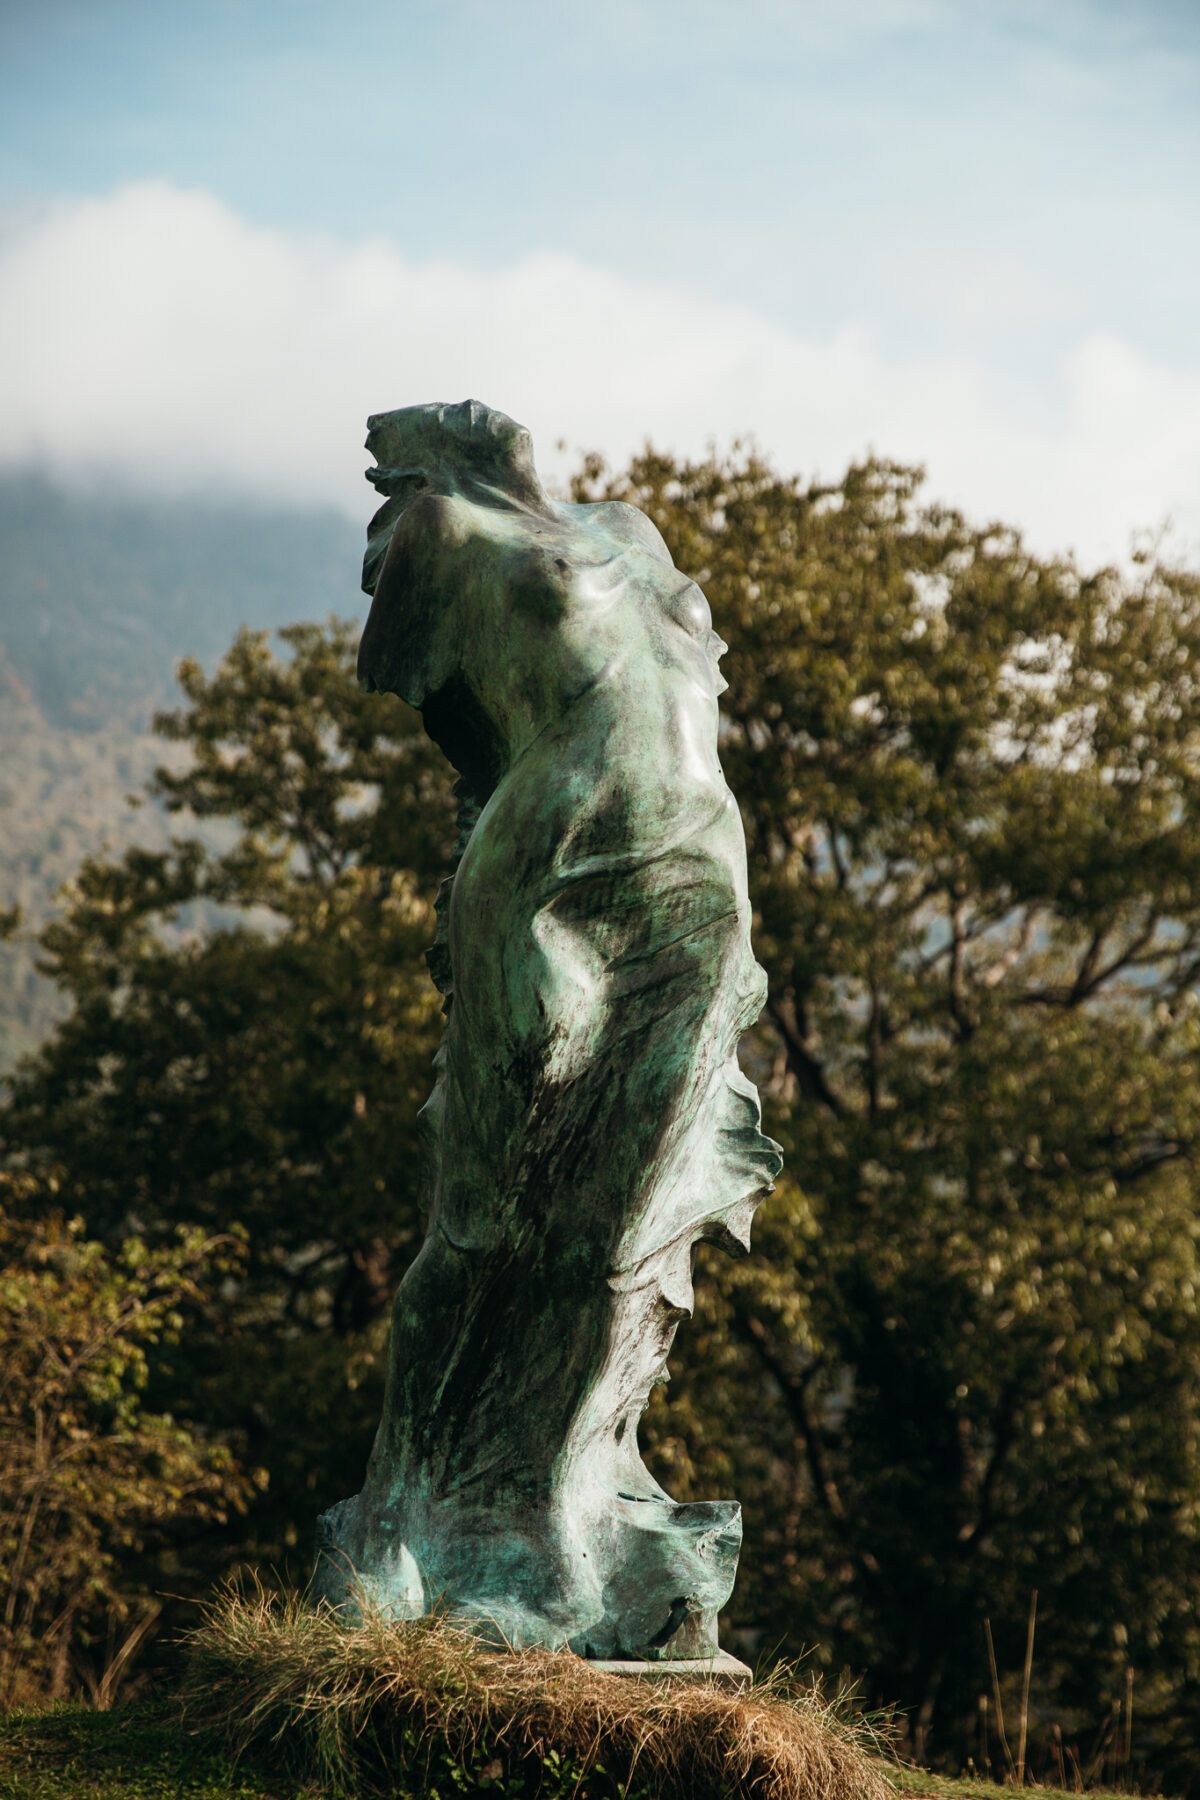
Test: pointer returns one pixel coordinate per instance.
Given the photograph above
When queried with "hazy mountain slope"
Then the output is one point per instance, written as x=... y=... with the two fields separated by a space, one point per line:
x=62 y=795
x=99 y=598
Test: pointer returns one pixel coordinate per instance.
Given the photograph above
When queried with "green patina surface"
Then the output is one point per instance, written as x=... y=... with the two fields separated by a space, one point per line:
x=589 y=1124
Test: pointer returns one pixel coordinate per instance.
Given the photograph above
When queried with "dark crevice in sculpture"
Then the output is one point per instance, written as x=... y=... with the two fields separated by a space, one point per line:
x=589 y=1124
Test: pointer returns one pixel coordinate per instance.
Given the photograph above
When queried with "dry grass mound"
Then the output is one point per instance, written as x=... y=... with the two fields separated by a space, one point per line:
x=423 y=1708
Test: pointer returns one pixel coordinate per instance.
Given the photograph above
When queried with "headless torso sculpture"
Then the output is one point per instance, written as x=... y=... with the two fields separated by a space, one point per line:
x=589 y=1124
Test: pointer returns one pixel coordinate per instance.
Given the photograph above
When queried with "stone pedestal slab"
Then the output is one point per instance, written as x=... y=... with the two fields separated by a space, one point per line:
x=722 y=1669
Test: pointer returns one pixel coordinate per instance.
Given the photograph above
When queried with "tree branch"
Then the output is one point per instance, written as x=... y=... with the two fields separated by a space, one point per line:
x=835 y=854
x=1002 y=1443
x=795 y=1396
x=794 y=1391
x=1089 y=977
x=956 y=985
x=786 y=1017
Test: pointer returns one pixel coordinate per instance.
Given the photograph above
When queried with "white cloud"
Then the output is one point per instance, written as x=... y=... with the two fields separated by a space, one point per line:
x=154 y=335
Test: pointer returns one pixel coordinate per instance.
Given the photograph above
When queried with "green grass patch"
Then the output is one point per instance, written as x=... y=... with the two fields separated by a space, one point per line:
x=912 y=1783
x=142 y=1752
x=138 y=1752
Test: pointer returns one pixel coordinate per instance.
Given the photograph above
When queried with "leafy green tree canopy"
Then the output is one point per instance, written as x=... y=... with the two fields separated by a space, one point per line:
x=92 y=1483
x=963 y=1360
x=252 y=1026
x=250 y=1037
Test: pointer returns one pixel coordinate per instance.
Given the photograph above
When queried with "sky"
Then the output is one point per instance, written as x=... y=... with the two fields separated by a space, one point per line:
x=964 y=233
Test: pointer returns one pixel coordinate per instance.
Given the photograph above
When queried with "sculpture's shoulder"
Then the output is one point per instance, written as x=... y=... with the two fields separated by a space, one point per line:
x=619 y=520
x=413 y=521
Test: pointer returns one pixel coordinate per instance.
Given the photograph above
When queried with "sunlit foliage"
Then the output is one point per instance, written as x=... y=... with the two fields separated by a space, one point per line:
x=963 y=1360
x=92 y=1482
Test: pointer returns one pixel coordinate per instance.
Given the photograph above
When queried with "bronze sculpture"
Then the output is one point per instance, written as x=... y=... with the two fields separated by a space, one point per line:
x=589 y=1124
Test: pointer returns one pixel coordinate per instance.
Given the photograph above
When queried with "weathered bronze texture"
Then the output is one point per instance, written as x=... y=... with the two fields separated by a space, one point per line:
x=589 y=1124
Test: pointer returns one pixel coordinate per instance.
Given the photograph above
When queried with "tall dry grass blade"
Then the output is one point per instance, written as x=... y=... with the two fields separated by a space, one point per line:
x=985 y=1746
x=1056 y=1740
x=1094 y=1768
x=1129 y=1725
x=987 y=1627
x=1023 y=1734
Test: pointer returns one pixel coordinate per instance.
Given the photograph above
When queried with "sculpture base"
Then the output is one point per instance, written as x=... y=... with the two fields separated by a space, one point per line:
x=722 y=1670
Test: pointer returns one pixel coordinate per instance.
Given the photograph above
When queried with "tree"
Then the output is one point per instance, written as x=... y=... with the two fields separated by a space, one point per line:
x=963 y=1359
x=92 y=1484
x=250 y=1037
